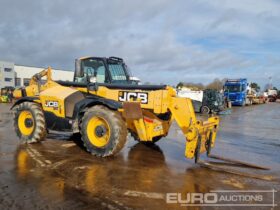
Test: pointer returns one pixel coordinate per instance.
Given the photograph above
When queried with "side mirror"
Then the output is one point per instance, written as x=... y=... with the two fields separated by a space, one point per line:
x=92 y=80
x=79 y=72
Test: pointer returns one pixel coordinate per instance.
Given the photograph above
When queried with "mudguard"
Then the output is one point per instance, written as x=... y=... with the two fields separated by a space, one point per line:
x=92 y=101
x=21 y=100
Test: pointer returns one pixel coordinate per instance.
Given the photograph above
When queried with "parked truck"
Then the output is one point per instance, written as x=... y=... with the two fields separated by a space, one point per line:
x=237 y=91
x=204 y=101
x=272 y=95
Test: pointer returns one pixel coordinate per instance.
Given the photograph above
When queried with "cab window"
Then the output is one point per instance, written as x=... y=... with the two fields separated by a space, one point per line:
x=93 y=68
x=117 y=72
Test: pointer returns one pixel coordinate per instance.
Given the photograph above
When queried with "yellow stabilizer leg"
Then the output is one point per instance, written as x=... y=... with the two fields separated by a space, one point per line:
x=183 y=112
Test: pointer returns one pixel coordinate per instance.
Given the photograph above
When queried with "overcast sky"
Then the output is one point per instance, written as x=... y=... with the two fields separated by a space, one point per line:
x=162 y=41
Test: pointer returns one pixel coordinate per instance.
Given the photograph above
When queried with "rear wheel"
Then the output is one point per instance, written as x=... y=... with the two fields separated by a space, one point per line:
x=205 y=110
x=103 y=131
x=29 y=122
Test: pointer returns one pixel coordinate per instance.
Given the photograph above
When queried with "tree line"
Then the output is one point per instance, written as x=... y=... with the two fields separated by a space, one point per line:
x=216 y=84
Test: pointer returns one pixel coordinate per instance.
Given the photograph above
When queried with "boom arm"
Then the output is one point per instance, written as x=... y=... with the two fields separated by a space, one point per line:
x=200 y=135
x=37 y=77
x=34 y=84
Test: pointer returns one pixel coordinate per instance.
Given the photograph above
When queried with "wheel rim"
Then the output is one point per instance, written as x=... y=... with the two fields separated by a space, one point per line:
x=26 y=123
x=205 y=110
x=98 y=131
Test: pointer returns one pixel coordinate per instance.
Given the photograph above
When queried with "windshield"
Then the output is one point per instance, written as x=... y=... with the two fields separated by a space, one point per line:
x=233 y=88
x=117 y=72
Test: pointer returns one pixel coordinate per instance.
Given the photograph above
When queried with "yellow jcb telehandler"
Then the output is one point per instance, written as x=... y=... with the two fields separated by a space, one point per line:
x=103 y=105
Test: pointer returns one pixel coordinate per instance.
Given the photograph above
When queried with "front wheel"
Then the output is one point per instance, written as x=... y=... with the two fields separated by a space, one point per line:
x=103 y=131
x=29 y=122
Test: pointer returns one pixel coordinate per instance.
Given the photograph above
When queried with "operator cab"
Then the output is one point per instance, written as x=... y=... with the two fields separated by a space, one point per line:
x=110 y=70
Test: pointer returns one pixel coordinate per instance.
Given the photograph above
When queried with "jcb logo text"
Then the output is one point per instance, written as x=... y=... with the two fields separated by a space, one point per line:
x=53 y=104
x=133 y=96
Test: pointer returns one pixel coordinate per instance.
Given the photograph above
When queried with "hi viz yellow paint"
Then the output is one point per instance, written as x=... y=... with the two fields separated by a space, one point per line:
x=25 y=127
x=98 y=131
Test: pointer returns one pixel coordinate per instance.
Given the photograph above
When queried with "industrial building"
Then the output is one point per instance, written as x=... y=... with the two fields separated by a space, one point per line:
x=14 y=75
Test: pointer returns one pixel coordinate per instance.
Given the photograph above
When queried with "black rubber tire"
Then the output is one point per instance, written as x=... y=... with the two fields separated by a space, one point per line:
x=39 y=133
x=117 y=126
x=205 y=110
